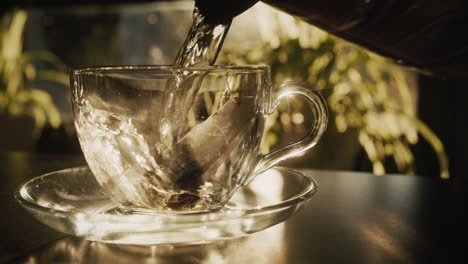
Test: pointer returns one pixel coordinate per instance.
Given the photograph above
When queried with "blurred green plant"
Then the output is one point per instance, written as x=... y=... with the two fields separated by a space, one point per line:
x=363 y=91
x=19 y=73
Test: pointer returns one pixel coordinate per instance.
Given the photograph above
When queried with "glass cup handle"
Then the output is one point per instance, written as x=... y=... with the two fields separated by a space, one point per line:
x=320 y=112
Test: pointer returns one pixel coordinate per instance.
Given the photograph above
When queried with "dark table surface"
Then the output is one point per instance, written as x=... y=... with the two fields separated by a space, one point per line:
x=353 y=218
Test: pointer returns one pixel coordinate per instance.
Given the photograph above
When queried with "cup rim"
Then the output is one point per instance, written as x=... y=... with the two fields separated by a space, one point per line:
x=168 y=68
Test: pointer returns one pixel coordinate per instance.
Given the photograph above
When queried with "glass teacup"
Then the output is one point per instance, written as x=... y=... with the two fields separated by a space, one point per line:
x=169 y=139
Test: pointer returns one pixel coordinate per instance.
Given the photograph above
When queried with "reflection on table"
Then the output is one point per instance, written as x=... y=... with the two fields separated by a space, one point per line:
x=267 y=244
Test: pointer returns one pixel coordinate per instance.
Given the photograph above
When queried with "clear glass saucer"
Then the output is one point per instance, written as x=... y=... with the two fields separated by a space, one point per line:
x=71 y=201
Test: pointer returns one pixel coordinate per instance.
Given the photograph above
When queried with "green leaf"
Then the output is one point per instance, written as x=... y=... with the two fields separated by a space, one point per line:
x=39 y=116
x=45 y=56
x=12 y=39
x=44 y=101
x=54 y=76
x=14 y=83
